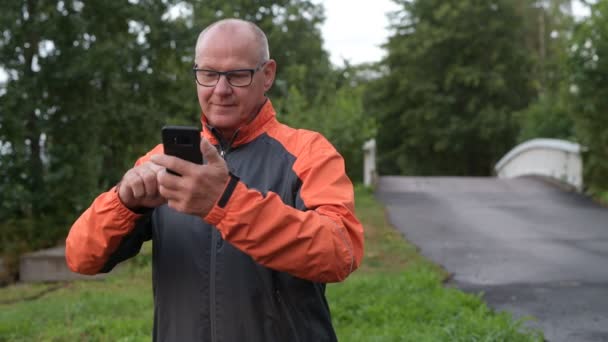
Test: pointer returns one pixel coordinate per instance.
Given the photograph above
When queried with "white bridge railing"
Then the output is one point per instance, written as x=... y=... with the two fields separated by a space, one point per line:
x=369 y=162
x=557 y=159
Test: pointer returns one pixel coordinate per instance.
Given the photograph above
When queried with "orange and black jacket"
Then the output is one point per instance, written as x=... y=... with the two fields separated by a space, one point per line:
x=255 y=267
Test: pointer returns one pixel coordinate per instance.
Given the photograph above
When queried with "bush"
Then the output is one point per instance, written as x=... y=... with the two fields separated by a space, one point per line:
x=588 y=68
x=548 y=117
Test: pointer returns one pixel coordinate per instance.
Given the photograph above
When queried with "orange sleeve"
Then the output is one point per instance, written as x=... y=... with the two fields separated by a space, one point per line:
x=99 y=230
x=322 y=244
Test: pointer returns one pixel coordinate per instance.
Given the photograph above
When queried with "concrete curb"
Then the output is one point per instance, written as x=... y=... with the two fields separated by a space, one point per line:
x=48 y=265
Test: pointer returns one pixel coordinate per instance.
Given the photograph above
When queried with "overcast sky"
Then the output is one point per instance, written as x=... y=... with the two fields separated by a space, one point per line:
x=355 y=29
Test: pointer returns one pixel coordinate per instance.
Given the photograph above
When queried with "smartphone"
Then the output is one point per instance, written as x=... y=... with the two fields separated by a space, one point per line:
x=182 y=142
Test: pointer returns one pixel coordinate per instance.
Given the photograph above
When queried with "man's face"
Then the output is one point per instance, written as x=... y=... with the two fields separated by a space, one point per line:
x=228 y=107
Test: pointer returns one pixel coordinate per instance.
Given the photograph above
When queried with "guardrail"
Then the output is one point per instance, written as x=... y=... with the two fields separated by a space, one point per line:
x=554 y=158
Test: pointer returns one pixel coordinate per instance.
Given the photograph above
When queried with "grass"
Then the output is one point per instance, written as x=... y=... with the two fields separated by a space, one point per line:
x=118 y=308
x=396 y=295
x=603 y=197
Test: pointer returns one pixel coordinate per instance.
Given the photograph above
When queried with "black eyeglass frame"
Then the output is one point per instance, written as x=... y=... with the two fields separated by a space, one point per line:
x=227 y=74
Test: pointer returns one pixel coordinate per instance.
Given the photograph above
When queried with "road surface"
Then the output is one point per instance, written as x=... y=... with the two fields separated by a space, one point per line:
x=532 y=248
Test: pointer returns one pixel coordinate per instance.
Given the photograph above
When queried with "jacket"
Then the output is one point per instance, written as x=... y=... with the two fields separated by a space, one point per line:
x=255 y=267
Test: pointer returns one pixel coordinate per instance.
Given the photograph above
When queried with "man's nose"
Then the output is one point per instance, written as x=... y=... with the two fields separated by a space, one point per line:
x=223 y=87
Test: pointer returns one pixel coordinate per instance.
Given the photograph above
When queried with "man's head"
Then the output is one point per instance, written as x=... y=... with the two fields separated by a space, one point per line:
x=227 y=45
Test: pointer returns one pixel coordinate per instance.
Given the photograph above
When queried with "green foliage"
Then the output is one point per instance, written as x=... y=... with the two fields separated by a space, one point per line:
x=548 y=28
x=339 y=117
x=548 y=117
x=603 y=197
x=72 y=110
x=455 y=73
x=588 y=67
x=92 y=83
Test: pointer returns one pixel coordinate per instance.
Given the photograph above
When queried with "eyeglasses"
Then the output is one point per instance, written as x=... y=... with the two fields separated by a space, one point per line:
x=236 y=78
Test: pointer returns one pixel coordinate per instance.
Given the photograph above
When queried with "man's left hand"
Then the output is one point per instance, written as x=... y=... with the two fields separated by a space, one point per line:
x=199 y=187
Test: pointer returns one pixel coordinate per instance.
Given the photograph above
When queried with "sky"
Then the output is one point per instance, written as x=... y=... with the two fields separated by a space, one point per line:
x=354 y=30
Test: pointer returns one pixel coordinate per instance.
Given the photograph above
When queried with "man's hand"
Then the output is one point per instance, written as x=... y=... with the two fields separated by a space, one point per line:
x=199 y=186
x=139 y=187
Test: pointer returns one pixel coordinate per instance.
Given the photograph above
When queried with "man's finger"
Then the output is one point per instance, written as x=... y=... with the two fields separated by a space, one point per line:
x=149 y=179
x=167 y=180
x=172 y=163
x=210 y=152
x=154 y=167
x=168 y=194
x=138 y=190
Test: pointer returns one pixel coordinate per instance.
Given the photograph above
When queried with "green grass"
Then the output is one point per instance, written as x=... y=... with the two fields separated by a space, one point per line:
x=414 y=306
x=118 y=308
x=603 y=197
x=396 y=295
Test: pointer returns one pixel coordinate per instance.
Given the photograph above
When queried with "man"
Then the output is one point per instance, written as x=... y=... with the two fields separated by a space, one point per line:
x=243 y=245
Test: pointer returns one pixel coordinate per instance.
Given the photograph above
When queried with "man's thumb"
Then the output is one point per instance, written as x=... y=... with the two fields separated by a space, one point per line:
x=209 y=152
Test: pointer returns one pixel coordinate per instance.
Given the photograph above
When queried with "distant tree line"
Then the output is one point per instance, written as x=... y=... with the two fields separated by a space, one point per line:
x=464 y=81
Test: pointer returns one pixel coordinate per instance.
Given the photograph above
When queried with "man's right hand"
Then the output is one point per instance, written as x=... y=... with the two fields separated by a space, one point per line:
x=139 y=188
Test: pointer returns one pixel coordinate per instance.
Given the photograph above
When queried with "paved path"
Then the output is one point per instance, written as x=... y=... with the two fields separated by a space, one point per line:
x=530 y=247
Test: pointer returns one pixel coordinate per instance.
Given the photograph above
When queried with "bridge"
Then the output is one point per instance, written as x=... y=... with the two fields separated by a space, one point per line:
x=556 y=159
x=559 y=160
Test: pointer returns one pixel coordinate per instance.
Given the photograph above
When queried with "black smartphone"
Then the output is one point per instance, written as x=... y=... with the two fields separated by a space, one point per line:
x=182 y=142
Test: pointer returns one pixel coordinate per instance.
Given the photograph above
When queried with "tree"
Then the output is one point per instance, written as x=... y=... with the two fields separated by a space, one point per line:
x=546 y=117
x=341 y=118
x=82 y=77
x=91 y=84
x=549 y=26
x=455 y=73
x=588 y=67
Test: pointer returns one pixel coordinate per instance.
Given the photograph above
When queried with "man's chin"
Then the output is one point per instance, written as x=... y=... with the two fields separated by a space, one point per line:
x=224 y=111
x=223 y=120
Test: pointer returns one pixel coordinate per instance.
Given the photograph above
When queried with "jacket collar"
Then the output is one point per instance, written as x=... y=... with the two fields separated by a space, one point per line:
x=247 y=132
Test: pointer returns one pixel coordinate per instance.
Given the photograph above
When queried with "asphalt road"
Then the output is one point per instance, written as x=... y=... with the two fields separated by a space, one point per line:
x=532 y=248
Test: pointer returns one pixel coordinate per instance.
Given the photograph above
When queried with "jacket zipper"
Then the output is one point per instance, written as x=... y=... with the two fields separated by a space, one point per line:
x=224 y=148
x=212 y=286
x=215 y=247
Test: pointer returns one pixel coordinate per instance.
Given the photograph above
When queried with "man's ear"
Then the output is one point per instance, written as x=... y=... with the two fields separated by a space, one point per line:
x=270 y=70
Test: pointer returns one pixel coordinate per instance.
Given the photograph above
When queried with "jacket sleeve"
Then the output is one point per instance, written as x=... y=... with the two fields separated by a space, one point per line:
x=322 y=243
x=106 y=233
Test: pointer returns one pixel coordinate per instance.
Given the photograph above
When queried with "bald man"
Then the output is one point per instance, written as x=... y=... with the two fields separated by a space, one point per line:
x=244 y=244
